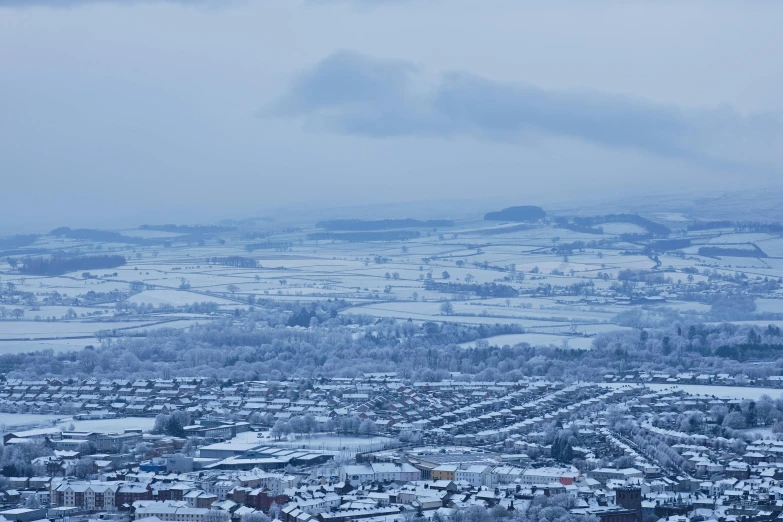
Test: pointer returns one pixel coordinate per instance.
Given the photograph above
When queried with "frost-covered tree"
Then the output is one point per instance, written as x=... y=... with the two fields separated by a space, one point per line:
x=446 y=308
x=367 y=428
x=734 y=420
x=256 y=516
x=217 y=515
x=84 y=468
x=280 y=429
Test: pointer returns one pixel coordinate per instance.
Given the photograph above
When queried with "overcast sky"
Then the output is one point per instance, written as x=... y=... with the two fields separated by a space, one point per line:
x=187 y=111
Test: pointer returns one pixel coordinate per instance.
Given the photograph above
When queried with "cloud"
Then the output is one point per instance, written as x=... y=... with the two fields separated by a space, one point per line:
x=65 y=4
x=352 y=93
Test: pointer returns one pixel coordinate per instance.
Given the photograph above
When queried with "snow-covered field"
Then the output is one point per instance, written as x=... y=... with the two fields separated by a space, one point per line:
x=45 y=330
x=57 y=345
x=12 y=421
x=42 y=330
x=112 y=425
x=176 y=298
x=722 y=392
x=361 y=273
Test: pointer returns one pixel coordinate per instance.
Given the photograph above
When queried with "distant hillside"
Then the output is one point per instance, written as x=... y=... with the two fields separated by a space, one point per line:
x=18 y=241
x=522 y=213
x=102 y=236
x=382 y=224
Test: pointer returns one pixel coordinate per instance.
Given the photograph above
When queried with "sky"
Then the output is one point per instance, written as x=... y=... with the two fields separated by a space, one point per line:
x=139 y=111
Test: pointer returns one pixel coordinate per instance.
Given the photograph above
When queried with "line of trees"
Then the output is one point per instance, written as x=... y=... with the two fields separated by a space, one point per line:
x=269 y=245
x=666 y=245
x=360 y=237
x=307 y=424
x=727 y=251
x=480 y=289
x=237 y=261
x=738 y=226
x=252 y=346
x=189 y=229
x=58 y=264
x=382 y=224
x=103 y=236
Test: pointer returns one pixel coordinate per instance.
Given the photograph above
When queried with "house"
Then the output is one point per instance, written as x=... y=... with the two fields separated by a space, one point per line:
x=547 y=475
x=445 y=472
x=394 y=472
x=476 y=475
x=357 y=474
x=39 y=435
x=605 y=474
x=171 y=511
x=90 y=495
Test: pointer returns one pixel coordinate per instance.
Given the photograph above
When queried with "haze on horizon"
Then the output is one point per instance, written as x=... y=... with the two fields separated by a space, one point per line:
x=155 y=110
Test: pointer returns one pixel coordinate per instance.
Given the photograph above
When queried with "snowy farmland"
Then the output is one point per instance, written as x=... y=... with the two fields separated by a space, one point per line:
x=560 y=284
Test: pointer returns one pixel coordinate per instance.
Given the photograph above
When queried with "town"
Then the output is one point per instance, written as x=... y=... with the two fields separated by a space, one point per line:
x=377 y=449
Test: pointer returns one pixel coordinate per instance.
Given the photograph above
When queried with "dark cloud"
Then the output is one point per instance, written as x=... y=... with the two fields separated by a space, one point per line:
x=356 y=94
x=346 y=78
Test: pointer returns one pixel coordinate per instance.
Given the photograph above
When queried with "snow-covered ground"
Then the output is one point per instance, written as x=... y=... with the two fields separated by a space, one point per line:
x=176 y=298
x=10 y=421
x=77 y=328
x=15 y=421
x=721 y=392
x=57 y=345
x=43 y=329
x=112 y=425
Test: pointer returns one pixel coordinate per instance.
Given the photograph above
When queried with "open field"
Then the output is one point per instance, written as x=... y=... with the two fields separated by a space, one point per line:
x=16 y=421
x=12 y=421
x=42 y=330
x=721 y=392
x=56 y=345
